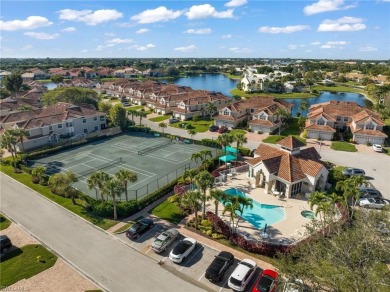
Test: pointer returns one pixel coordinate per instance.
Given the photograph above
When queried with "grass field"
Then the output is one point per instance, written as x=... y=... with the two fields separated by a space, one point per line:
x=343 y=146
x=276 y=95
x=338 y=88
x=160 y=118
x=168 y=211
x=235 y=131
x=135 y=107
x=78 y=209
x=200 y=126
x=4 y=222
x=24 y=263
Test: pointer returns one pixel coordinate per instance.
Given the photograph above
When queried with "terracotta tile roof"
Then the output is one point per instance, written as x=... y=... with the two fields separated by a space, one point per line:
x=367 y=114
x=287 y=166
x=375 y=133
x=324 y=128
x=290 y=142
x=222 y=117
x=258 y=102
x=261 y=122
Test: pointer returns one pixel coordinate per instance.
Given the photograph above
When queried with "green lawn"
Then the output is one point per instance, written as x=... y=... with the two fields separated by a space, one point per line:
x=338 y=88
x=168 y=211
x=272 y=139
x=4 y=222
x=292 y=130
x=160 y=118
x=23 y=263
x=135 y=107
x=200 y=126
x=127 y=225
x=78 y=209
x=234 y=131
x=276 y=95
x=343 y=146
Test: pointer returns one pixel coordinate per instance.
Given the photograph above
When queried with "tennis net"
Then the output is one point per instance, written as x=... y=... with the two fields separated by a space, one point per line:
x=153 y=148
x=103 y=166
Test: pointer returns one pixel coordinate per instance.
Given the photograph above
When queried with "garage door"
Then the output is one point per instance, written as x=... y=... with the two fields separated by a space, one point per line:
x=255 y=128
x=220 y=123
x=379 y=141
x=326 y=136
x=361 y=140
x=312 y=135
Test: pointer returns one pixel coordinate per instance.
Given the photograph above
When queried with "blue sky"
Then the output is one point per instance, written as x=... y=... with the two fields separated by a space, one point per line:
x=320 y=29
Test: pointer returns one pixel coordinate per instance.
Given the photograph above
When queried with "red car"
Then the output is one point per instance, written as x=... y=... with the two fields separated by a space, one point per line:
x=266 y=282
x=222 y=129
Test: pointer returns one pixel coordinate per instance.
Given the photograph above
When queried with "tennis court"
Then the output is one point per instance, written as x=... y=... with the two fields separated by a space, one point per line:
x=156 y=160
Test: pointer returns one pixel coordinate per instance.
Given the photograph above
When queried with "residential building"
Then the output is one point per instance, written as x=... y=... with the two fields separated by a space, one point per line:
x=261 y=113
x=287 y=170
x=324 y=118
x=54 y=123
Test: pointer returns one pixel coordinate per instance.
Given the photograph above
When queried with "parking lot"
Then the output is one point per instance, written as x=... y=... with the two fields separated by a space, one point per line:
x=195 y=264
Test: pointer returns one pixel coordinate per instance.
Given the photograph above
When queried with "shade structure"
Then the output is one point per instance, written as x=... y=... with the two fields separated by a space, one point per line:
x=229 y=149
x=227 y=158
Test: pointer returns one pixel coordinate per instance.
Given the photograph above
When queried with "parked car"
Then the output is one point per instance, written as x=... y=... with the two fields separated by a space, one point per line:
x=126 y=103
x=242 y=275
x=377 y=148
x=222 y=129
x=219 y=266
x=139 y=228
x=173 y=120
x=370 y=193
x=348 y=172
x=267 y=281
x=213 y=128
x=182 y=250
x=374 y=203
x=5 y=243
x=165 y=239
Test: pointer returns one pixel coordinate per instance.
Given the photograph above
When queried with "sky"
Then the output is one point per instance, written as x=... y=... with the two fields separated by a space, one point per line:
x=303 y=29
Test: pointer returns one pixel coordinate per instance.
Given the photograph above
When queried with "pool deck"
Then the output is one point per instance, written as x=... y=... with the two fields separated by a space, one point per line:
x=286 y=231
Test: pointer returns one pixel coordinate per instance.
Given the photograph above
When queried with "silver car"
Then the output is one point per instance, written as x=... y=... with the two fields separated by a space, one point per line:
x=374 y=203
x=348 y=172
x=164 y=240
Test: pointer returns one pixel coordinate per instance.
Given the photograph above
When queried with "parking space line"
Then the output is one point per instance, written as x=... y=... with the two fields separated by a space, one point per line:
x=139 y=238
x=201 y=276
x=224 y=284
x=189 y=259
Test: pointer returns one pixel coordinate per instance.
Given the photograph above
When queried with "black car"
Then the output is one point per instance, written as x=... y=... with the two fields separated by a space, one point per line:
x=5 y=243
x=219 y=266
x=213 y=128
x=370 y=193
x=139 y=228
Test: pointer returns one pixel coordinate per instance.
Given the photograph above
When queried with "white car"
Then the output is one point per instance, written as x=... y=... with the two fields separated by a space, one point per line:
x=242 y=275
x=377 y=148
x=182 y=250
x=375 y=203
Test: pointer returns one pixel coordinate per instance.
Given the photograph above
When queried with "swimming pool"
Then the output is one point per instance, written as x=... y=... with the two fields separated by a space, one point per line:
x=260 y=214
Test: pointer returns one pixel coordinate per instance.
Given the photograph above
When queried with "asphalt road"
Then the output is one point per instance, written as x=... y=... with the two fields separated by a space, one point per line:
x=98 y=255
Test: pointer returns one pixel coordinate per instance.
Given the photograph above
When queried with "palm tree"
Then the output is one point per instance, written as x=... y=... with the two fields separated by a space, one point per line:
x=192 y=200
x=190 y=174
x=97 y=181
x=93 y=182
x=126 y=176
x=303 y=107
x=320 y=200
x=163 y=125
x=20 y=134
x=211 y=108
x=61 y=184
x=133 y=113
x=192 y=133
x=204 y=154
x=141 y=114
x=217 y=195
x=195 y=157
x=231 y=206
x=8 y=141
x=225 y=140
x=240 y=139
x=71 y=178
x=113 y=188
x=38 y=172
x=203 y=181
x=281 y=114
x=243 y=203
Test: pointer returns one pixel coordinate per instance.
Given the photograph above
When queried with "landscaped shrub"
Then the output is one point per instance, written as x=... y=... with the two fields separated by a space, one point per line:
x=244 y=151
x=210 y=143
x=219 y=226
x=106 y=208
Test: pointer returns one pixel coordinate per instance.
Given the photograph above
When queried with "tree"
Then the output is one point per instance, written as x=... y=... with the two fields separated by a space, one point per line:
x=211 y=108
x=240 y=139
x=118 y=116
x=104 y=107
x=195 y=118
x=125 y=176
x=204 y=180
x=192 y=133
x=163 y=125
x=13 y=83
x=190 y=174
x=301 y=122
x=282 y=115
x=20 y=134
x=57 y=78
x=38 y=173
x=231 y=207
x=4 y=93
x=192 y=200
x=61 y=184
x=8 y=141
x=172 y=72
x=195 y=157
x=205 y=153
x=243 y=203
x=73 y=95
x=96 y=180
x=218 y=196
x=303 y=107
x=133 y=113
x=92 y=182
x=320 y=200
x=349 y=258
x=225 y=140
x=141 y=114
x=113 y=188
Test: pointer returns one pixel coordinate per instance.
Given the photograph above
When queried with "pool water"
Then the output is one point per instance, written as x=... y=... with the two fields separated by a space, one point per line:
x=260 y=214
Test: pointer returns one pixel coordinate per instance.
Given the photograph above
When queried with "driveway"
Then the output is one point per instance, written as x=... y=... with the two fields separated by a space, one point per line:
x=100 y=256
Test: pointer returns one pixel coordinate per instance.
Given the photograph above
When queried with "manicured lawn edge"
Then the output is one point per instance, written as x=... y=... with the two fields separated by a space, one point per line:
x=78 y=209
x=24 y=263
x=343 y=146
x=168 y=211
x=160 y=118
x=4 y=222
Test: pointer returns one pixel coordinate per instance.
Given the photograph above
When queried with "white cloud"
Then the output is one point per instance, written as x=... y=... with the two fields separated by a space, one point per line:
x=206 y=10
x=368 y=48
x=334 y=45
x=326 y=5
x=84 y=51
x=240 y=50
x=285 y=29
x=315 y=43
x=110 y=34
x=185 y=49
x=117 y=41
x=156 y=15
x=90 y=17
x=144 y=48
x=142 y=30
x=226 y=36
x=198 y=31
x=343 y=24
x=236 y=3
x=30 y=22
x=69 y=29
x=293 y=47
x=42 y=35
x=26 y=47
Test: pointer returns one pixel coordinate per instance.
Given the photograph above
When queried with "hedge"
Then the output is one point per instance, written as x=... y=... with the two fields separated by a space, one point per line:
x=139 y=129
x=244 y=151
